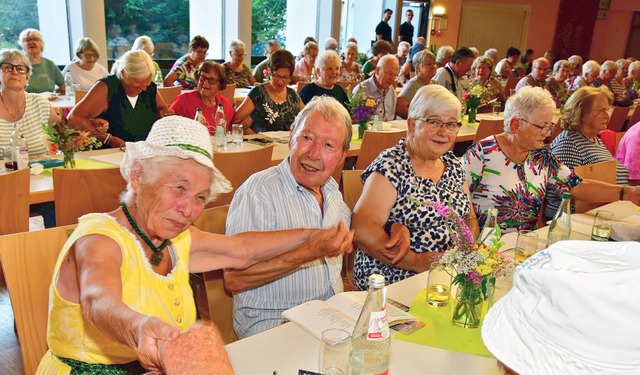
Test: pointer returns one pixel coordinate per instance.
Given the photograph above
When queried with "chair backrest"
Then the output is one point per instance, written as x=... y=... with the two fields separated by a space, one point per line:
x=229 y=92
x=604 y=171
x=619 y=136
x=80 y=191
x=555 y=133
x=487 y=128
x=238 y=166
x=347 y=85
x=301 y=85
x=79 y=94
x=28 y=260
x=352 y=187
x=635 y=118
x=510 y=85
x=373 y=143
x=618 y=118
x=169 y=94
x=14 y=202
x=220 y=301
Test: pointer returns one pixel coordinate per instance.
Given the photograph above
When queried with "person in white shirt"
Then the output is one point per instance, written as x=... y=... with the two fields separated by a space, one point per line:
x=453 y=76
x=86 y=71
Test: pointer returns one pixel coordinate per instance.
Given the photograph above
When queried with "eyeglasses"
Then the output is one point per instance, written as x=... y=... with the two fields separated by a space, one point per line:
x=283 y=78
x=601 y=111
x=212 y=81
x=240 y=54
x=200 y=52
x=8 y=68
x=90 y=55
x=544 y=129
x=435 y=124
x=29 y=40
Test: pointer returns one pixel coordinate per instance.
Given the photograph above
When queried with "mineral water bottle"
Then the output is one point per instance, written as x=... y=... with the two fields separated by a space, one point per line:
x=201 y=119
x=370 y=342
x=157 y=79
x=68 y=84
x=19 y=149
x=221 y=127
x=489 y=230
x=560 y=227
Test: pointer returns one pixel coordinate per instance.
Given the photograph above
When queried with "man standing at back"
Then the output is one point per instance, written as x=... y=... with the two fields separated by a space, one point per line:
x=298 y=193
x=406 y=29
x=383 y=30
x=453 y=76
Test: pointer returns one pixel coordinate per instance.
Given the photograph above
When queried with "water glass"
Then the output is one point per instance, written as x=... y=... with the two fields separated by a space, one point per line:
x=237 y=132
x=496 y=107
x=601 y=230
x=438 y=285
x=335 y=347
x=526 y=246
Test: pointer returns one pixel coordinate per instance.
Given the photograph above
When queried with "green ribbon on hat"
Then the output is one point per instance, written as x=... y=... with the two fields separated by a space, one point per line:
x=193 y=148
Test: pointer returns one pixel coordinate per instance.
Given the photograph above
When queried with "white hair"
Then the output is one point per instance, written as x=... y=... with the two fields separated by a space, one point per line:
x=524 y=102
x=634 y=66
x=330 y=44
x=237 y=44
x=443 y=51
x=433 y=100
x=325 y=56
x=404 y=45
x=137 y=64
x=609 y=66
x=561 y=64
x=591 y=66
x=491 y=52
x=144 y=43
x=331 y=110
x=24 y=33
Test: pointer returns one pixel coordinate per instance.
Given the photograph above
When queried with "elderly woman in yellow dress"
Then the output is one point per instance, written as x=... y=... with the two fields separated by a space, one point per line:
x=400 y=181
x=120 y=290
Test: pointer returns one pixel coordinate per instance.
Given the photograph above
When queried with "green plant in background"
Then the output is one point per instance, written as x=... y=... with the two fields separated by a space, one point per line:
x=15 y=16
x=268 y=21
x=433 y=49
x=361 y=58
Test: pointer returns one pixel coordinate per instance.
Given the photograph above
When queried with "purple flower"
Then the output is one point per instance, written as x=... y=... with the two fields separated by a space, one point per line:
x=475 y=278
x=362 y=113
x=632 y=94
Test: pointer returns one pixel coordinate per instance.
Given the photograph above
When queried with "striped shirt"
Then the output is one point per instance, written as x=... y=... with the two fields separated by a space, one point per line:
x=273 y=200
x=36 y=113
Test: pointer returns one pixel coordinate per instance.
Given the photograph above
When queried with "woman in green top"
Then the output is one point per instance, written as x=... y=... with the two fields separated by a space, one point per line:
x=379 y=49
x=45 y=75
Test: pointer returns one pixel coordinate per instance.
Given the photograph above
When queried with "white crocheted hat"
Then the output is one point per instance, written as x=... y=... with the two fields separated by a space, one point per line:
x=573 y=309
x=180 y=137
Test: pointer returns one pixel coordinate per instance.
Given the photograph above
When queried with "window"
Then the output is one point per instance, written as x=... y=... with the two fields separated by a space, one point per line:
x=268 y=22
x=15 y=16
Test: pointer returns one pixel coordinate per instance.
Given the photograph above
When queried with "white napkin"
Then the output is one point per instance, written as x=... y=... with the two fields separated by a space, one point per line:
x=627 y=229
x=36 y=168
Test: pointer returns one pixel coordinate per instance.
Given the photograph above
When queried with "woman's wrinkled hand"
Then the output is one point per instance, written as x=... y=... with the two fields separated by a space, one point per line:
x=399 y=243
x=153 y=333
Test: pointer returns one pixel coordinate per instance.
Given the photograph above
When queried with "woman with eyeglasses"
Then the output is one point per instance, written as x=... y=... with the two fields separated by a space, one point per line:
x=516 y=172
x=86 y=71
x=29 y=111
x=211 y=79
x=425 y=64
x=237 y=72
x=272 y=106
x=399 y=183
x=183 y=71
x=45 y=75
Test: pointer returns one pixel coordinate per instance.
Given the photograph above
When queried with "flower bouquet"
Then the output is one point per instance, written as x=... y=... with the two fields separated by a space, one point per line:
x=477 y=96
x=476 y=265
x=362 y=109
x=60 y=137
x=266 y=73
x=562 y=97
x=520 y=70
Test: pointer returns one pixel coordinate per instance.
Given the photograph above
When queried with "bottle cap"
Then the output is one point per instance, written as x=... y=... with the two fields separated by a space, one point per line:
x=376 y=280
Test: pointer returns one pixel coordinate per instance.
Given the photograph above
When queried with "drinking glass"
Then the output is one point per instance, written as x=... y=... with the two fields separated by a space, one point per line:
x=334 y=352
x=438 y=285
x=237 y=132
x=526 y=246
x=601 y=230
x=496 y=108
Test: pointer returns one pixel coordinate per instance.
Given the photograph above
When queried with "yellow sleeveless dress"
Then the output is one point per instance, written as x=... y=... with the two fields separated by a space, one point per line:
x=169 y=298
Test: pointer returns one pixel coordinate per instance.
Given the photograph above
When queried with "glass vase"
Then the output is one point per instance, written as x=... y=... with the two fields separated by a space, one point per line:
x=362 y=126
x=472 y=115
x=68 y=159
x=467 y=311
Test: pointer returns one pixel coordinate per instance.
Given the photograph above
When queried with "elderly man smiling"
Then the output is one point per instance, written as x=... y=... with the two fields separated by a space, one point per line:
x=381 y=86
x=538 y=75
x=453 y=76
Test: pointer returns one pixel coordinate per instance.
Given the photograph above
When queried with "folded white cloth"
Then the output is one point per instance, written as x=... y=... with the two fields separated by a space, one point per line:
x=627 y=229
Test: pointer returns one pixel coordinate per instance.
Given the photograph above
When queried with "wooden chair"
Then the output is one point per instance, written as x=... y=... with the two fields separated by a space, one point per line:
x=604 y=171
x=373 y=143
x=169 y=94
x=238 y=166
x=229 y=92
x=487 y=128
x=28 y=260
x=618 y=118
x=635 y=118
x=301 y=85
x=352 y=189
x=219 y=300
x=510 y=85
x=347 y=85
x=14 y=198
x=80 y=191
x=79 y=94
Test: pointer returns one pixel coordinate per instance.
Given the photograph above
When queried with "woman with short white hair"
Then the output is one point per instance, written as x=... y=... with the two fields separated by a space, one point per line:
x=590 y=72
x=608 y=71
x=86 y=71
x=350 y=69
x=235 y=70
x=403 y=51
x=633 y=79
x=328 y=68
x=145 y=43
x=556 y=82
x=45 y=75
x=443 y=55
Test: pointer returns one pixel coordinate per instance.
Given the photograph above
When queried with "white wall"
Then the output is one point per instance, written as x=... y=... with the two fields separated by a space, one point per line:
x=52 y=15
x=206 y=20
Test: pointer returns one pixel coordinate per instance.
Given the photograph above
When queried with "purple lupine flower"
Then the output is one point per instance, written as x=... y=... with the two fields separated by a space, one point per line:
x=362 y=113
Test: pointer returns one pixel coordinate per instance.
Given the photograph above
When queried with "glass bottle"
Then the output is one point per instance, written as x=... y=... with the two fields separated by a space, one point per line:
x=371 y=340
x=221 y=127
x=489 y=230
x=68 y=84
x=157 y=79
x=560 y=227
x=203 y=120
x=19 y=149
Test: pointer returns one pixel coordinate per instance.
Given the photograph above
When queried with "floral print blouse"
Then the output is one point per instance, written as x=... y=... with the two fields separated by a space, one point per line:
x=269 y=115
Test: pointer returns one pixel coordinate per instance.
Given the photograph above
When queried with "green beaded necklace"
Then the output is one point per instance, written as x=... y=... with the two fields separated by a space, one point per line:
x=157 y=256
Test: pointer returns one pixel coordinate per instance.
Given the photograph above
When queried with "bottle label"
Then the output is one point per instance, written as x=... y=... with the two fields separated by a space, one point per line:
x=378 y=326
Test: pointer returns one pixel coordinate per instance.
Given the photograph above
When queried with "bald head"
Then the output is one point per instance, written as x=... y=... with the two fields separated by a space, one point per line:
x=540 y=68
x=386 y=71
x=421 y=40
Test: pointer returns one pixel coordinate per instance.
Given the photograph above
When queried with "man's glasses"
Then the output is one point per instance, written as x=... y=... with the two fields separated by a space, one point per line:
x=435 y=124
x=544 y=129
x=8 y=68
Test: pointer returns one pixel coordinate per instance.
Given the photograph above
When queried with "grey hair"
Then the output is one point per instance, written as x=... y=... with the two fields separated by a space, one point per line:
x=86 y=43
x=623 y=64
x=24 y=33
x=524 y=102
x=491 y=52
x=433 y=100
x=561 y=64
x=420 y=57
x=12 y=53
x=308 y=47
x=634 y=66
x=137 y=64
x=326 y=56
x=475 y=51
x=609 y=66
x=237 y=44
x=575 y=60
x=330 y=44
x=331 y=110
x=404 y=45
x=482 y=60
x=442 y=52
x=144 y=43
x=590 y=66
x=352 y=46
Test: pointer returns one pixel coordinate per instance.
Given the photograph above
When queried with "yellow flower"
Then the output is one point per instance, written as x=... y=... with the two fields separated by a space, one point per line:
x=477 y=90
x=483 y=269
x=370 y=103
x=490 y=262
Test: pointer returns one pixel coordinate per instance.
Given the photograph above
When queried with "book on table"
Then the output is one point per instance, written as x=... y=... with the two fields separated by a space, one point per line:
x=340 y=311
